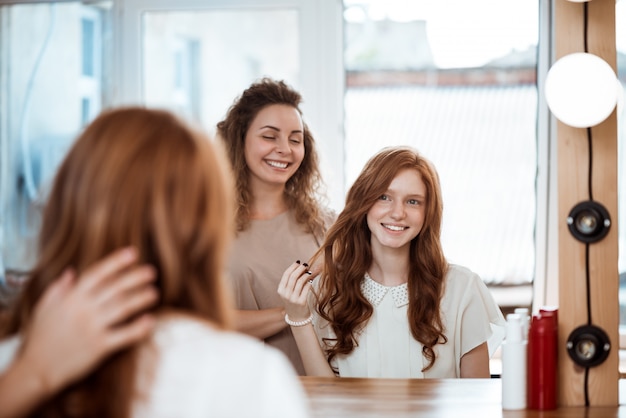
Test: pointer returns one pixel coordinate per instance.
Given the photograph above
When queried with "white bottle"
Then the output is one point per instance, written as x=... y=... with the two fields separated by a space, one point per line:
x=514 y=364
x=523 y=312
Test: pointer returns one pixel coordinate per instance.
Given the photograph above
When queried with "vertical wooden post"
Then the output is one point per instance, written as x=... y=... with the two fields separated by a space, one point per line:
x=573 y=155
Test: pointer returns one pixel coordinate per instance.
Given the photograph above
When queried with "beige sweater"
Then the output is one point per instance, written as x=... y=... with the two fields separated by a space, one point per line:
x=259 y=257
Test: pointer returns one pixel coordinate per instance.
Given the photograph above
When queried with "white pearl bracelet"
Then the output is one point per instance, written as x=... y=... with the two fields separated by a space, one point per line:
x=298 y=323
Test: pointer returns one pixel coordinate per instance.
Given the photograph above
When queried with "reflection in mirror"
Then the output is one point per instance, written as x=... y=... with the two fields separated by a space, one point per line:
x=460 y=89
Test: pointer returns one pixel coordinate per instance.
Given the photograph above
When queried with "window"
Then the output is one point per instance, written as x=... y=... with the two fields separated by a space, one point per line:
x=191 y=56
x=91 y=68
x=460 y=85
x=189 y=68
x=52 y=72
x=238 y=42
x=410 y=73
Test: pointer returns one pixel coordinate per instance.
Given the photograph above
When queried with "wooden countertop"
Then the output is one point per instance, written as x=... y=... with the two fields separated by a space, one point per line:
x=445 y=398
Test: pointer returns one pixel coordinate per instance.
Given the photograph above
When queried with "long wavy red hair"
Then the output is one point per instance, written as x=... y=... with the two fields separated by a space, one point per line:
x=142 y=178
x=303 y=191
x=347 y=254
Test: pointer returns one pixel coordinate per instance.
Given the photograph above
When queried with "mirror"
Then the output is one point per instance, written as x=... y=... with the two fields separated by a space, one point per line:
x=415 y=72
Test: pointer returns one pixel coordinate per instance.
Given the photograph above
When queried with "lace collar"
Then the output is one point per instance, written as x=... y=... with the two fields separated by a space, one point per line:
x=374 y=292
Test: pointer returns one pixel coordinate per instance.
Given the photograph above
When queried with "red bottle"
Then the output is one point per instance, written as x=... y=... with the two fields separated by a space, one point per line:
x=542 y=360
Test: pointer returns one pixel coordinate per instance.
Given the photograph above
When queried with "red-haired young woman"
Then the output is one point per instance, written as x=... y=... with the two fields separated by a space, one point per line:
x=387 y=303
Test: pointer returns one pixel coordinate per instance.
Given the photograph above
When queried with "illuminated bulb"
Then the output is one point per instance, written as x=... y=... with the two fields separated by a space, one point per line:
x=581 y=90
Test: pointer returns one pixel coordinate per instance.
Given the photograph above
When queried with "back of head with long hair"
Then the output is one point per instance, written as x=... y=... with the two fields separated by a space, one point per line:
x=301 y=190
x=141 y=178
x=347 y=254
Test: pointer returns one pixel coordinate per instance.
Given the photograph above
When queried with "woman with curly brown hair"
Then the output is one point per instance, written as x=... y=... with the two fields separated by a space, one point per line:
x=279 y=216
x=141 y=178
x=388 y=303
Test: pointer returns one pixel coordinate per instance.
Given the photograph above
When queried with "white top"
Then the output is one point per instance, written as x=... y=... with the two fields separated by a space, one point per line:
x=386 y=347
x=204 y=372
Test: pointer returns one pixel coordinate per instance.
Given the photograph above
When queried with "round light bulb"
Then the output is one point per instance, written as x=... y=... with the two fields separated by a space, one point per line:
x=580 y=90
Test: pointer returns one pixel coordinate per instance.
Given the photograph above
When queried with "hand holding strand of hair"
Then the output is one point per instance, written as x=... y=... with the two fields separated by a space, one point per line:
x=294 y=288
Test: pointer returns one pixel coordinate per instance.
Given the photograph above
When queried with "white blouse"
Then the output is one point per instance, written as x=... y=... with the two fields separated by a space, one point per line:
x=386 y=347
x=190 y=369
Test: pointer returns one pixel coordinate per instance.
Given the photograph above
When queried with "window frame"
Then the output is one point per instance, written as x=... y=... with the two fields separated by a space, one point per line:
x=321 y=87
x=90 y=85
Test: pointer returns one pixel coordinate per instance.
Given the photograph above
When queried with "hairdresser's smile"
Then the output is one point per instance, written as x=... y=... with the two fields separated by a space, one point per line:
x=398 y=215
x=274 y=145
x=277 y=164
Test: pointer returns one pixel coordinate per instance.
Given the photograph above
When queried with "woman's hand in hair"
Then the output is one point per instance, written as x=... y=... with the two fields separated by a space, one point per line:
x=77 y=323
x=294 y=289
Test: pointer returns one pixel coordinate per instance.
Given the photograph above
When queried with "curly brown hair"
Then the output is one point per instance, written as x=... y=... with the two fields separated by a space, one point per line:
x=303 y=189
x=347 y=254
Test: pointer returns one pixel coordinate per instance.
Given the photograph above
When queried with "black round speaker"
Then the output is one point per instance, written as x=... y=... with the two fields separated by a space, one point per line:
x=588 y=346
x=589 y=221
